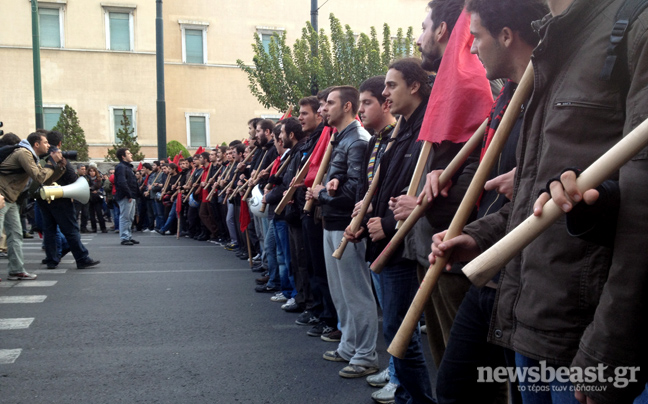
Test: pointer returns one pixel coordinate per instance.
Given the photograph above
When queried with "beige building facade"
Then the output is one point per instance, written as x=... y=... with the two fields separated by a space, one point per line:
x=98 y=56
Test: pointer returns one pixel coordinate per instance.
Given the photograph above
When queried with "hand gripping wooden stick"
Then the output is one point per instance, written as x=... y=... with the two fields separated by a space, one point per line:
x=485 y=267
x=418 y=173
x=291 y=190
x=419 y=210
x=321 y=171
x=402 y=338
x=268 y=186
x=366 y=201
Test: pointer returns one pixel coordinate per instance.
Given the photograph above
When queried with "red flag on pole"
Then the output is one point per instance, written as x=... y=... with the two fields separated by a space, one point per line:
x=245 y=216
x=139 y=167
x=200 y=150
x=316 y=157
x=179 y=204
x=461 y=96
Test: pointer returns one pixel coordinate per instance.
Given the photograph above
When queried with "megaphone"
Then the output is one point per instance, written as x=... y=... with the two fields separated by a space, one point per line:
x=254 y=202
x=79 y=190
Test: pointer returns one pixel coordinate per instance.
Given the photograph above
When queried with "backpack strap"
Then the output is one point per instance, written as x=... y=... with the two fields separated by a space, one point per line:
x=627 y=14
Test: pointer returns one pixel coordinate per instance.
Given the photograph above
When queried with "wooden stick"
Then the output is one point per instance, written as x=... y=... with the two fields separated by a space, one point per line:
x=483 y=268
x=418 y=173
x=321 y=171
x=269 y=186
x=402 y=338
x=256 y=176
x=291 y=190
x=419 y=210
x=249 y=248
x=245 y=161
x=366 y=201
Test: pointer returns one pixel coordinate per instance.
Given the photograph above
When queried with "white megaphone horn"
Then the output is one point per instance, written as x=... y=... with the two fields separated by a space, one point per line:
x=79 y=191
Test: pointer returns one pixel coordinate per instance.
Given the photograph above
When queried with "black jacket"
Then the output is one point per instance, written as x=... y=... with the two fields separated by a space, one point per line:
x=125 y=181
x=349 y=149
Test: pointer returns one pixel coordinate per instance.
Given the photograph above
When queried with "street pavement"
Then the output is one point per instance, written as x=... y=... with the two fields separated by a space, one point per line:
x=166 y=321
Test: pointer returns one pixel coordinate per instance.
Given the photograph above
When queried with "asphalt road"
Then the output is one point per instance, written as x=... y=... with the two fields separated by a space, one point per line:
x=167 y=321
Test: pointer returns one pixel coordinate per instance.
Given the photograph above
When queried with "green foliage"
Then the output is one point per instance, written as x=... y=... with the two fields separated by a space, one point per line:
x=224 y=144
x=174 y=148
x=73 y=134
x=125 y=138
x=282 y=75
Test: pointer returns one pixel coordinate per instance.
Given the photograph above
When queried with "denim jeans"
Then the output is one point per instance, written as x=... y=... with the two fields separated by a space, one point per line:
x=273 y=265
x=116 y=215
x=159 y=214
x=553 y=392
x=393 y=378
x=10 y=223
x=173 y=216
x=126 y=216
x=467 y=349
x=283 y=258
x=399 y=286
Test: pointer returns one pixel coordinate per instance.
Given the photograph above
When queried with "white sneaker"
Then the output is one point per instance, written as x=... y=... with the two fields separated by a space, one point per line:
x=380 y=379
x=288 y=303
x=256 y=257
x=168 y=232
x=279 y=297
x=386 y=395
x=145 y=231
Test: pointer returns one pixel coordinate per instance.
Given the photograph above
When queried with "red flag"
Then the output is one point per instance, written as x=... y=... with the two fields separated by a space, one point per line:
x=179 y=204
x=245 y=216
x=461 y=96
x=287 y=114
x=275 y=166
x=318 y=154
x=139 y=167
x=246 y=142
x=176 y=159
x=200 y=150
x=170 y=161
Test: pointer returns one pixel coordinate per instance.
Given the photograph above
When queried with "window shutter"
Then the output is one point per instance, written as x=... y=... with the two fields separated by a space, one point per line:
x=119 y=31
x=194 y=45
x=198 y=131
x=50 y=27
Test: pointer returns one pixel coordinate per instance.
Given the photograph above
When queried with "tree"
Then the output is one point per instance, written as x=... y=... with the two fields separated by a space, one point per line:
x=174 y=148
x=125 y=138
x=282 y=75
x=73 y=134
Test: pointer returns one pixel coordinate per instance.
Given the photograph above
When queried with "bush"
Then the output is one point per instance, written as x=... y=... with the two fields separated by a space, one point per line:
x=174 y=148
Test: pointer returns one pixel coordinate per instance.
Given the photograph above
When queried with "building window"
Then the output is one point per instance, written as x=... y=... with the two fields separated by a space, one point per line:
x=197 y=129
x=117 y=116
x=51 y=27
x=266 y=34
x=194 y=41
x=119 y=28
x=265 y=39
x=51 y=116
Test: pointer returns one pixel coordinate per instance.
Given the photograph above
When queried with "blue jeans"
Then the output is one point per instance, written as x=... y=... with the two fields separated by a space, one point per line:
x=283 y=258
x=126 y=216
x=553 y=392
x=159 y=214
x=116 y=215
x=399 y=286
x=273 y=265
x=173 y=216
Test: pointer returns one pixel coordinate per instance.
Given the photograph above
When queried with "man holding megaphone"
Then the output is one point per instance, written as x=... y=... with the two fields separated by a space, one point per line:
x=60 y=212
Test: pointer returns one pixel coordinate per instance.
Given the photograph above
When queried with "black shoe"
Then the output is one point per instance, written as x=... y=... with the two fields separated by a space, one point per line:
x=104 y=231
x=89 y=263
x=159 y=232
x=266 y=289
x=127 y=242
x=307 y=318
x=244 y=257
x=318 y=329
x=52 y=265
x=64 y=253
x=258 y=268
x=84 y=230
x=262 y=280
x=134 y=241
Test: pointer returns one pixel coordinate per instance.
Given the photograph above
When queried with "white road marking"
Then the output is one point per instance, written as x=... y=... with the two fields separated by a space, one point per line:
x=15 y=323
x=160 y=271
x=23 y=299
x=49 y=271
x=8 y=356
x=36 y=284
x=40 y=262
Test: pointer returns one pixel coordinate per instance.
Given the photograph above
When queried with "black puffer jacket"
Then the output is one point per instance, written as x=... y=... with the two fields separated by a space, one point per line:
x=349 y=148
x=125 y=181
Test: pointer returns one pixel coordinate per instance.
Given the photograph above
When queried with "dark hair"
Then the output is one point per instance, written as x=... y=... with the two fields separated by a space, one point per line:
x=148 y=166
x=277 y=129
x=35 y=137
x=266 y=124
x=349 y=94
x=447 y=11
x=9 y=139
x=54 y=138
x=375 y=85
x=205 y=155
x=514 y=14
x=173 y=166
x=121 y=153
x=223 y=149
x=234 y=143
x=412 y=72
x=240 y=148
x=254 y=122
x=292 y=125
x=311 y=101
x=323 y=95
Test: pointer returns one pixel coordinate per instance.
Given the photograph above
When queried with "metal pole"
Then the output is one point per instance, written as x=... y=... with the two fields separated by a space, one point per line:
x=314 y=52
x=38 y=90
x=161 y=103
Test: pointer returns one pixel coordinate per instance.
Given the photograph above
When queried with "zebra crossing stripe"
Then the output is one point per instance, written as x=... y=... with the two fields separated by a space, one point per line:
x=23 y=299
x=35 y=284
x=8 y=356
x=49 y=271
x=15 y=323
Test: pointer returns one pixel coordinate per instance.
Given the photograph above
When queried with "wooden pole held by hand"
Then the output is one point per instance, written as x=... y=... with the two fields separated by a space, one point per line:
x=321 y=171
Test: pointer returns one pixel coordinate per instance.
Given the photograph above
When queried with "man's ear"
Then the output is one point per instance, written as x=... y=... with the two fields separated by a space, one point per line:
x=506 y=37
x=441 y=33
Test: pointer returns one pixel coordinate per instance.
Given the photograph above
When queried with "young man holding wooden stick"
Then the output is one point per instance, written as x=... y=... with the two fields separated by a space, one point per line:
x=349 y=279
x=565 y=301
